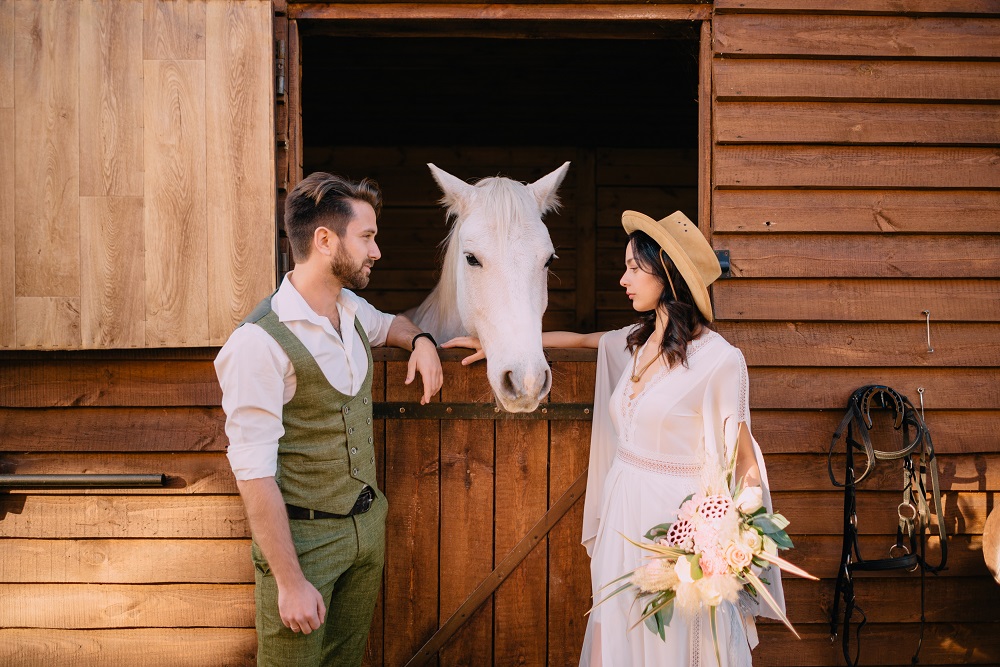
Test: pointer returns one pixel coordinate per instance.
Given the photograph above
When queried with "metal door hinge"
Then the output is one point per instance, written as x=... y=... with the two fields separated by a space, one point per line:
x=279 y=67
x=723 y=256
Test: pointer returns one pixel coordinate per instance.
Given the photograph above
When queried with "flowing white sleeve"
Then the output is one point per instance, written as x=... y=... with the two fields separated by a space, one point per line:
x=612 y=359
x=727 y=404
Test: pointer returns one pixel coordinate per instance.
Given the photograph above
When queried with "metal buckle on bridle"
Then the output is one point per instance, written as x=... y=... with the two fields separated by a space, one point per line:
x=913 y=509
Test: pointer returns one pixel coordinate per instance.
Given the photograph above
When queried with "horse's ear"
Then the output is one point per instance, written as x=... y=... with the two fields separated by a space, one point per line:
x=545 y=188
x=456 y=191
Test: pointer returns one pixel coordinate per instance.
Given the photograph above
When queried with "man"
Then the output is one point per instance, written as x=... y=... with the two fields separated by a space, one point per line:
x=296 y=390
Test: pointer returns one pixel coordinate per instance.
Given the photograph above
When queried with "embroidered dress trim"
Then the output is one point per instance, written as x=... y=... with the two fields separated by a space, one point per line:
x=661 y=466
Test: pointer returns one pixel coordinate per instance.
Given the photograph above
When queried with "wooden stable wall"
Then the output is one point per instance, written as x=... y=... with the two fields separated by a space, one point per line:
x=136 y=171
x=856 y=175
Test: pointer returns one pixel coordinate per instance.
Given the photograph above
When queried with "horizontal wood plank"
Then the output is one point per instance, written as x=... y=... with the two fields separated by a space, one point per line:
x=187 y=473
x=956 y=472
x=884 y=645
x=838 y=299
x=852 y=166
x=861 y=255
x=89 y=606
x=856 y=211
x=969 y=432
x=608 y=11
x=820 y=555
x=120 y=561
x=112 y=516
x=872 y=7
x=109 y=383
x=152 y=647
x=861 y=80
x=856 y=123
x=73 y=429
x=856 y=36
x=864 y=343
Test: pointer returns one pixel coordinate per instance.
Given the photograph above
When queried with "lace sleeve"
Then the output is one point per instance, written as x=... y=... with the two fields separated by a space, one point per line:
x=743 y=407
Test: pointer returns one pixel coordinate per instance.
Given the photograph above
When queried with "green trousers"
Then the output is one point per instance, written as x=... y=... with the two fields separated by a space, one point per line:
x=343 y=559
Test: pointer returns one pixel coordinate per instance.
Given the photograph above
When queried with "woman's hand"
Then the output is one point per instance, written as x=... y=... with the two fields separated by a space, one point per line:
x=470 y=342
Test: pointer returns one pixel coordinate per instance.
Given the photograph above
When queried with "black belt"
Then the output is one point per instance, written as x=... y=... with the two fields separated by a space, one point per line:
x=361 y=505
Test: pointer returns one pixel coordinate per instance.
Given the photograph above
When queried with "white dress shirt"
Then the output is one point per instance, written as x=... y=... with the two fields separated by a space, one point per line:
x=258 y=378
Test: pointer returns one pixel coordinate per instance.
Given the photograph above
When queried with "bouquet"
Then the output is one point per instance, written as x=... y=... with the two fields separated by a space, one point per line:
x=721 y=541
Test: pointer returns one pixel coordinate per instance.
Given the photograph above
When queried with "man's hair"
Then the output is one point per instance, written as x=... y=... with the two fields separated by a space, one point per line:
x=324 y=200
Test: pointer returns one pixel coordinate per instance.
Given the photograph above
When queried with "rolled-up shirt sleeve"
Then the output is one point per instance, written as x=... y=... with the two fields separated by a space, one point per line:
x=375 y=323
x=251 y=368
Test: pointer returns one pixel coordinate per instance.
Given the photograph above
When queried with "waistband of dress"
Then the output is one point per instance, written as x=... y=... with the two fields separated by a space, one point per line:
x=664 y=465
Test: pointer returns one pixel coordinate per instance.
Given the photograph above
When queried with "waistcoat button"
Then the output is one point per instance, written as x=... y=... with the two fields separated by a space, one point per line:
x=369 y=420
x=347 y=409
x=354 y=450
x=370 y=440
x=364 y=400
x=373 y=459
x=355 y=471
x=350 y=431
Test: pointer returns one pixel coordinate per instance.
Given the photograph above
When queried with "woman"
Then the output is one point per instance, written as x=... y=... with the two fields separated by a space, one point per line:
x=671 y=397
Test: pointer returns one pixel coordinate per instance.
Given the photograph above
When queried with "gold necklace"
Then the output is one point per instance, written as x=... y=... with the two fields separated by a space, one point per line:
x=635 y=377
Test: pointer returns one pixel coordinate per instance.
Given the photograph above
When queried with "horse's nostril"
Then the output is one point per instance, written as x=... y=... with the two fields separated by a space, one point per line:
x=508 y=383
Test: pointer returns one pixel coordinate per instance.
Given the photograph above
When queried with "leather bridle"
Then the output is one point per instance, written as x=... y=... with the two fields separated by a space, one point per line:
x=913 y=511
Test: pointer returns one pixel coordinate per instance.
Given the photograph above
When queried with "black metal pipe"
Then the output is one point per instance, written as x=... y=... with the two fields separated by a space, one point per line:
x=79 y=481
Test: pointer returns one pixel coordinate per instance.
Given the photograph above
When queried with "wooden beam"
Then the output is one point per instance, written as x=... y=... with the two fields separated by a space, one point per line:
x=501 y=12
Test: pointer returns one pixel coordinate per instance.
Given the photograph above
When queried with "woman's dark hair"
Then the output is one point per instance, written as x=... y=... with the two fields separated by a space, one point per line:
x=685 y=320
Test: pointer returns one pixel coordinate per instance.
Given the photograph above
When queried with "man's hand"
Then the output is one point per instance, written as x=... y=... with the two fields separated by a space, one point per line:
x=301 y=606
x=469 y=342
x=425 y=360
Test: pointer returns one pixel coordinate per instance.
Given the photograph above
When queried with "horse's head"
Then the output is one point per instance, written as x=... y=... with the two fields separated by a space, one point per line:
x=497 y=259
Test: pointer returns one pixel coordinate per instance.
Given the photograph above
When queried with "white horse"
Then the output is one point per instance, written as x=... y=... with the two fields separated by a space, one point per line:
x=494 y=279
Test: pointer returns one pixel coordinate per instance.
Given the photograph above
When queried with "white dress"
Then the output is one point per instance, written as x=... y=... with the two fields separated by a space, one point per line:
x=647 y=454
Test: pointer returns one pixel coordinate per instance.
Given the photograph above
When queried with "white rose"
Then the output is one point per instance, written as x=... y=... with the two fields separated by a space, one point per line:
x=750 y=500
x=682 y=568
x=751 y=540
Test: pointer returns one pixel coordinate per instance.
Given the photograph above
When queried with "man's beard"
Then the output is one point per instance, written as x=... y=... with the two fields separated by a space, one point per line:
x=349 y=274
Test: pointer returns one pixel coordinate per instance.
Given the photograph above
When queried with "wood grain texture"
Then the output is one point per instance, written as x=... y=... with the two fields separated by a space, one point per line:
x=857 y=211
x=159 y=429
x=519 y=623
x=48 y=322
x=966 y=432
x=111 y=153
x=111 y=516
x=80 y=606
x=569 y=594
x=112 y=308
x=176 y=228
x=861 y=255
x=412 y=560
x=957 y=472
x=467 y=475
x=864 y=343
x=795 y=79
x=47 y=155
x=240 y=154
x=869 y=36
x=173 y=30
x=856 y=167
x=873 y=7
x=8 y=315
x=109 y=384
x=116 y=561
x=829 y=388
x=7 y=55
x=882 y=300
x=884 y=645
x=856 y=123
x=820 y=555
x=150 y=647
x=187 y=474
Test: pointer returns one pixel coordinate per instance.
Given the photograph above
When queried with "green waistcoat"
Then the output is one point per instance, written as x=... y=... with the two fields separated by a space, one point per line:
x=327 y=454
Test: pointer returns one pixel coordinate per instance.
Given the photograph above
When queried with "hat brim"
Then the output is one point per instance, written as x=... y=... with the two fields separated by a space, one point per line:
x=634 y=221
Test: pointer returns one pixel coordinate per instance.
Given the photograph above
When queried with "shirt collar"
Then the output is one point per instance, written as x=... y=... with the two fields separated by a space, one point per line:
x=290 y=306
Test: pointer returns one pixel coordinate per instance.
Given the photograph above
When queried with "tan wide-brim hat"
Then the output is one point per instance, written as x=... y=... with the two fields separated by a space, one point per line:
x=686 y=247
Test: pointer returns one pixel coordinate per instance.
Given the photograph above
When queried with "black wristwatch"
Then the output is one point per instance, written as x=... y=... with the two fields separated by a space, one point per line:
x=422 y=334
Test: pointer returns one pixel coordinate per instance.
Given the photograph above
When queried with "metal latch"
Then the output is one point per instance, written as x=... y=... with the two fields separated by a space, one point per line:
x=723 y=256
x=279 y=67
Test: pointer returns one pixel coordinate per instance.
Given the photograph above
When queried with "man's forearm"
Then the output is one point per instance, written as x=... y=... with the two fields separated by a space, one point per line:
x=269 y=523
x=401 y=333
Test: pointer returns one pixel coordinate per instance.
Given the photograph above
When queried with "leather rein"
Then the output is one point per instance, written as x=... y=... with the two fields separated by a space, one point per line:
x=913 y=511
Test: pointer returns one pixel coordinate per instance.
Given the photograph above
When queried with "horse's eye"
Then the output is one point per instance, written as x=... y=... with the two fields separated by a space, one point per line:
x=471 y=259
x=551 y=259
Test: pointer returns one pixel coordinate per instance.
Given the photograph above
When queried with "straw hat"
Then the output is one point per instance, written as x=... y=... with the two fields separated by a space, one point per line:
x=686 y=247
